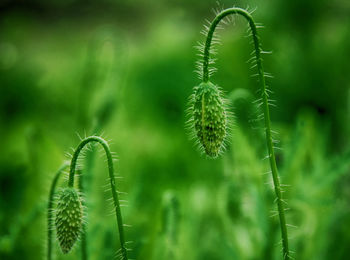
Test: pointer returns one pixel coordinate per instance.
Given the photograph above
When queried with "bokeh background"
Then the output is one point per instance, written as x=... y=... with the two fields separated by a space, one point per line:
x=125 y=70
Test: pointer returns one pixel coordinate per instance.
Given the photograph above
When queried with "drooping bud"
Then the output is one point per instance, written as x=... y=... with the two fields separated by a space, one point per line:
x=209 y=118
x=69 y=215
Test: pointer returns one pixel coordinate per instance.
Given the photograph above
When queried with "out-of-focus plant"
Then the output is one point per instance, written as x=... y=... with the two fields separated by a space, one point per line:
x=170 y=228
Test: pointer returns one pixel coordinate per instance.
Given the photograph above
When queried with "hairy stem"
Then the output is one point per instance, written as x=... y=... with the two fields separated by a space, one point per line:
x=50 y=223
x=84 y=254
x=105 y=146
x=86 y=179
x=264 y=96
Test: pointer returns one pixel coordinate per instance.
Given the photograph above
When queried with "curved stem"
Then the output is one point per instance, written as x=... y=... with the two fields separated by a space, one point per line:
x=105 y=146
x=50 y=208
x=84 y=187
x=264 y=96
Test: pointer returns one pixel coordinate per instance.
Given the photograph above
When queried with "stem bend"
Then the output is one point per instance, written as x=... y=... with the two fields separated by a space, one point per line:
x=72 y=170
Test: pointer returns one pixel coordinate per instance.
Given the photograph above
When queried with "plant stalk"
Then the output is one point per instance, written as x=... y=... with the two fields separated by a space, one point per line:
x=83 y=237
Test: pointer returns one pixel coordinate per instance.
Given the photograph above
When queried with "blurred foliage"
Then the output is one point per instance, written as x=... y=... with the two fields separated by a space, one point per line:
x=124 y=69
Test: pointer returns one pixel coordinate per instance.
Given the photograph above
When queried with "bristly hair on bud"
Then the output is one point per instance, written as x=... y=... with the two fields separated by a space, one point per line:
x=69 y=218
x=208 y=118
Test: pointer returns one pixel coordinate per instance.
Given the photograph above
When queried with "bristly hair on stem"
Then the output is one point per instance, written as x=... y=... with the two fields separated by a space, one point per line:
x=208 y=120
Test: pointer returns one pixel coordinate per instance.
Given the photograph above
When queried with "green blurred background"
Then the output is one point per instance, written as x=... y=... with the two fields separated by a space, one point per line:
x=125 y=69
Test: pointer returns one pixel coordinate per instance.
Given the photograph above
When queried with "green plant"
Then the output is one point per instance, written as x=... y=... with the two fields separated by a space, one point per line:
x=69 y=212
x=209 y=115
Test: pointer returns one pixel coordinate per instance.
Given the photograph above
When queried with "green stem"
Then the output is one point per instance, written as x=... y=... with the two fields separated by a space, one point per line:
x=105 y=146
x=84 y=254
x=50 y=223
x=264 y=95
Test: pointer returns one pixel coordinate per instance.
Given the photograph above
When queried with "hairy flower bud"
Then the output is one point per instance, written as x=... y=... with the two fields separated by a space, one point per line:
x=209 y=118
x=69 y=215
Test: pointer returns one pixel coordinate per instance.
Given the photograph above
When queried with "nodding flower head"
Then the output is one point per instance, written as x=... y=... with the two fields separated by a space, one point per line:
x=69 y=218
x=209 y=118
